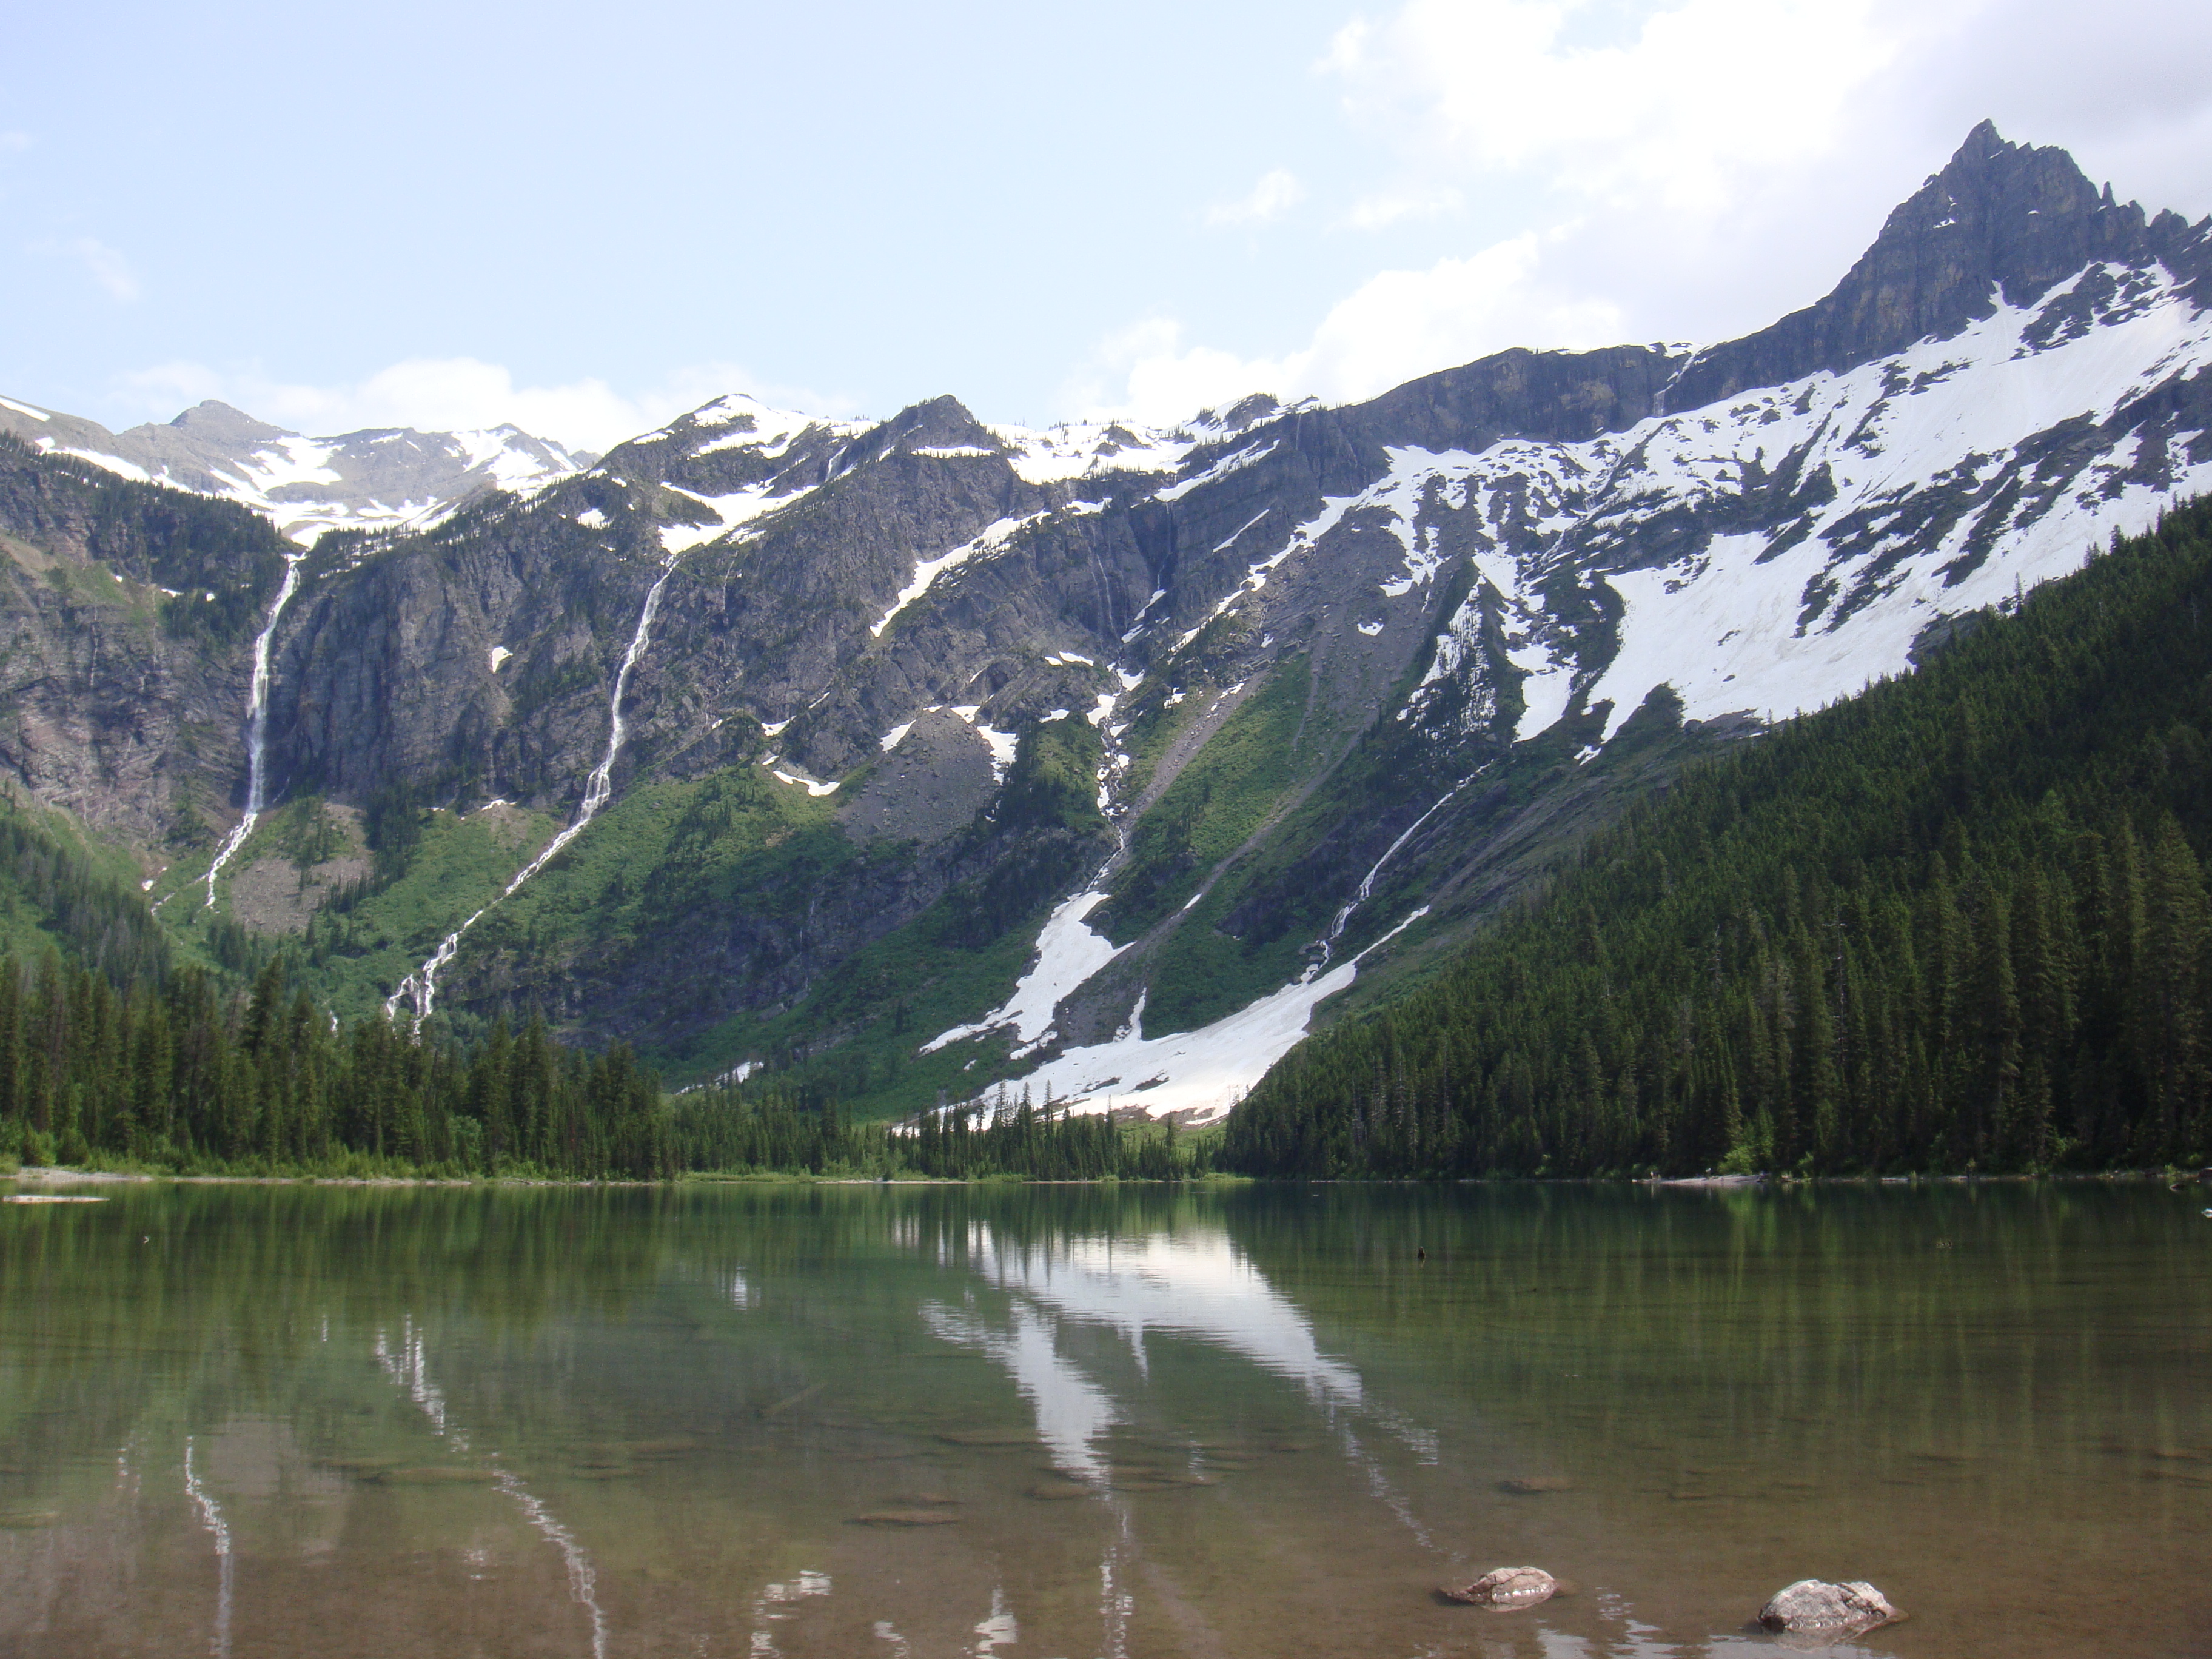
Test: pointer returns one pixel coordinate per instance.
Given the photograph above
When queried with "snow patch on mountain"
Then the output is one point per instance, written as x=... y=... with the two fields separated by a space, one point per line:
x=1080 y=449
x=375 y=479
x=1745 y=625
x=1220 y=469
x=731 y=512
x=927 y=571
x=1202 y=1073
x=812 y=786
x=1068 y=952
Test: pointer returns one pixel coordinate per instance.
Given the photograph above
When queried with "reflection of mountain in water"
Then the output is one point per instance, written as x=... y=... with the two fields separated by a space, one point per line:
x=1192 y=1283
x=680 y=1405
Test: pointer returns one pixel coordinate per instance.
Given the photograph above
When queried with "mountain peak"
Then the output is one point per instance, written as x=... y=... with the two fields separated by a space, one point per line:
x=218 y=422
x=1999 y=221
x=2020 y=217
x=1984 y=137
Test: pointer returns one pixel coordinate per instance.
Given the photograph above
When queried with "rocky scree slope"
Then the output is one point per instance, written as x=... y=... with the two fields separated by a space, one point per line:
x=1098 y=756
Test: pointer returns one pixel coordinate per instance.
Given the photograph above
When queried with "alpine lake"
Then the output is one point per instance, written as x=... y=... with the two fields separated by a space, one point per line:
x=1092 y=1422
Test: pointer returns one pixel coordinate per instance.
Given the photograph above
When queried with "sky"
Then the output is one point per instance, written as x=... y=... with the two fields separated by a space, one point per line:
x=584 y=221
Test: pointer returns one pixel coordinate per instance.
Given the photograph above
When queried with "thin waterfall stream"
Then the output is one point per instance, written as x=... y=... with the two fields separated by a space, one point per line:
x=256 y=727
x=1366 y=888
x=419 y=990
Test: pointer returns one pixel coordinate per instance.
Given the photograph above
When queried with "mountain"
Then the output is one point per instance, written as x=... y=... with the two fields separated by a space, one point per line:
x=374 y=479
x=1960 y=923
x=897 y=759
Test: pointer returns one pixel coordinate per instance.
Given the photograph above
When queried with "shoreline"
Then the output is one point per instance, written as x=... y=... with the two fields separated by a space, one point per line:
x=58 y=1174
x=44 y=1174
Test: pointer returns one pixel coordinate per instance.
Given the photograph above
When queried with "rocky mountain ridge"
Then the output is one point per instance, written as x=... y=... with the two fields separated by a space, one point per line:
x=378 y=478
x=1103 y=757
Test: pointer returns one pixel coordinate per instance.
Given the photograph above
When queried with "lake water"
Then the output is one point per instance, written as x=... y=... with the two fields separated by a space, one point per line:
x=1074 y=1422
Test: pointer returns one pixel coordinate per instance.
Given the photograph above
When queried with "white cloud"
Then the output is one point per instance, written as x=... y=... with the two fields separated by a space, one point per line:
x=107 y=267
x=1276 y=194
x=1385 y=208
x=1680 y=108
x=1147 y=372
x=1677 y=169
x=1395 y=326
x=1623 y=155
x=446 y=394
x=1400 y=324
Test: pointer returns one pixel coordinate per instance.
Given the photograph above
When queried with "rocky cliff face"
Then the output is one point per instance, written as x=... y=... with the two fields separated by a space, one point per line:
x=128 y=616
x=1101 y=757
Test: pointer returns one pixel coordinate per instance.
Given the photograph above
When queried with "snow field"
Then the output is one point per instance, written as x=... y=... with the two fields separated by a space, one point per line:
x=927 y=571
x=1068 y=952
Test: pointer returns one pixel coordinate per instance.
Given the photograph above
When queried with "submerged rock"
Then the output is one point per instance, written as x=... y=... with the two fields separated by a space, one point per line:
x=906 y=1518
x=437 y=1475
x=989 y=1438
x=676 y=1445
x=1812 y=1607
x=1507 y=1588
x=361 y=1469
x=1529 y=1485
x=1058 y=1491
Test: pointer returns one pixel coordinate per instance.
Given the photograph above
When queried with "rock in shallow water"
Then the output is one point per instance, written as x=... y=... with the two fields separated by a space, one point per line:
x=1530 y=1486
x=1058 y=1491
x=1812 y=1607
x=1507 y=1588
x=436 y=1475
x=907 y=1518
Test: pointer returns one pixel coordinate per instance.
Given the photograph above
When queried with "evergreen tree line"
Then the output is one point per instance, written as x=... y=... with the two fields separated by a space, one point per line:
x=734 y=1131
x=227 y=558
x=1958 y=923
x=1048 y=1144
x=171 y=1073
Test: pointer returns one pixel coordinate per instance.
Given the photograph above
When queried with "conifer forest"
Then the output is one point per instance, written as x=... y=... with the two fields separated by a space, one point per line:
x=1958 y=923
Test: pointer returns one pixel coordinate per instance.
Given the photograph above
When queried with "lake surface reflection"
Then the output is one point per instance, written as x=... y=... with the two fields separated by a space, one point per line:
x=1071 y=1422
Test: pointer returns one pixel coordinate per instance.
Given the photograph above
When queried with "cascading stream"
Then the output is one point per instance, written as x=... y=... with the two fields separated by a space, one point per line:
x=257 y=726
x=419 y=990
x=1366 y=888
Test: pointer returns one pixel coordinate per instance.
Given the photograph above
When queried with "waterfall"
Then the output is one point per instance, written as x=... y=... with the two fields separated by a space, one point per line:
x=1366 y=888
x=420 y=988
x=257 y=726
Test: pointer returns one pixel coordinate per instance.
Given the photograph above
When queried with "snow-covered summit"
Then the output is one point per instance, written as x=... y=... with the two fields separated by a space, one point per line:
x=375 y=479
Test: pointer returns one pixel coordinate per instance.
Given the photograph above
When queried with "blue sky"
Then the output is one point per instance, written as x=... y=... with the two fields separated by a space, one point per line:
x=583 y=219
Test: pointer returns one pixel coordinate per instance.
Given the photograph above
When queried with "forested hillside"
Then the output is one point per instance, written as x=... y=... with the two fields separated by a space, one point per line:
x=54 y=895
x=173 y=1072
x=1958 y=923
